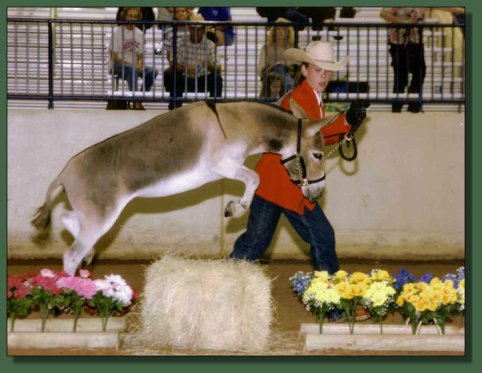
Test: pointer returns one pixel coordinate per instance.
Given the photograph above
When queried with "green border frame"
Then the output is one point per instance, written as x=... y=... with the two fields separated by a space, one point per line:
x=471 y=362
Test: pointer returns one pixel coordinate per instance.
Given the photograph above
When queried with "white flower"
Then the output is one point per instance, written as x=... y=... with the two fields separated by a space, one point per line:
x=47 y=273
x=115 y=287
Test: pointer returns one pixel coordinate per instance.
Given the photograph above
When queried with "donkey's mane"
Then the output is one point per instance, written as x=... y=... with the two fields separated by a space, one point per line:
x=277 y=107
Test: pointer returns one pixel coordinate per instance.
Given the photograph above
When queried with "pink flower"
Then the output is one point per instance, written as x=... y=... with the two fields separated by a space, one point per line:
x=46 y=283
x=82 y=286
x=17 y=288
x=84 y=273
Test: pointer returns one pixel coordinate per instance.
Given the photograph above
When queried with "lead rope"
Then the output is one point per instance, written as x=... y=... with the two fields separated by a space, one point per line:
x=338 y=146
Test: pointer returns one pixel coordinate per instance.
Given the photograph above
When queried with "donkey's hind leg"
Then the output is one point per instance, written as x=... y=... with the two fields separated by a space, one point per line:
x=72 y=223
x=93 y=226
x=82 y=246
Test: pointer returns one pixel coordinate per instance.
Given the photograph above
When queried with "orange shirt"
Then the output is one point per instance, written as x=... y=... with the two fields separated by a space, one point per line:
x=275 y=184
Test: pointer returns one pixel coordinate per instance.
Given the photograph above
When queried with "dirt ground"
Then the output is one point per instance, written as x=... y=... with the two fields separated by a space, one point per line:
x=290 y=313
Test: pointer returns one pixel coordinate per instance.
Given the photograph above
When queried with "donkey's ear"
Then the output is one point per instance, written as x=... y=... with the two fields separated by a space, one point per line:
x=310 y=128
x=296 y=109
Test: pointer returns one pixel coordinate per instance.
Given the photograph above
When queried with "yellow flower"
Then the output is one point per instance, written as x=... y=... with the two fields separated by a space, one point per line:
x=381 y=275
x=357 y=290
x=400 y=300
x=432 y=306
x=340 y=275
x=359 y=277
x=344 y=289
x=332 y=296
x=421 y=305
x=322 y=275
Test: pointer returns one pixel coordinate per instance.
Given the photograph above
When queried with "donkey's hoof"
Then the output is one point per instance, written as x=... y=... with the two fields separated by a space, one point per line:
x=234 y=209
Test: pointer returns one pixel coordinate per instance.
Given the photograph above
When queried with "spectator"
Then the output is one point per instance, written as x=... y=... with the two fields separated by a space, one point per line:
x=165 y=13
x=452 y=39
x=272 y=13
x=347 y=12
x=196 y=67
x=276 y=193
x=319 y=16
x=271 y=60
x=272 y=86
x=406 y=51
x=220 y=34
x=182 y=31
x=127 y=54
x=147 y=15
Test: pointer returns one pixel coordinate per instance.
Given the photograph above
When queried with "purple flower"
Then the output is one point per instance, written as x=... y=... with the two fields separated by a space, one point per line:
x=402 y=278
x=425 y=278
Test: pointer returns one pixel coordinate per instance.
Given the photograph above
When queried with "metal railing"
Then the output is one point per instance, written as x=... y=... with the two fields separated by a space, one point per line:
x=68 y=60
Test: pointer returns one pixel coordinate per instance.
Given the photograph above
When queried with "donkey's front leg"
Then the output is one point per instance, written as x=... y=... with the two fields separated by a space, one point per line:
x=232 y=170
x=251 y=181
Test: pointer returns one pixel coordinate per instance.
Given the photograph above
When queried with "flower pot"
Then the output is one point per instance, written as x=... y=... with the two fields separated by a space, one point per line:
x=384 y=342
x=395 y=337
x=342 y=328
x=59 y=335
x=93 y=324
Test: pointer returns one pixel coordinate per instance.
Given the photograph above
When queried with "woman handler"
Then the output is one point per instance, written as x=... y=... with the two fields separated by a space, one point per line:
x=276 y=193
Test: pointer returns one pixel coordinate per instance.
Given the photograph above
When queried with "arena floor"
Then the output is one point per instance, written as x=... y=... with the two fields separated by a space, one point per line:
x=284 y=341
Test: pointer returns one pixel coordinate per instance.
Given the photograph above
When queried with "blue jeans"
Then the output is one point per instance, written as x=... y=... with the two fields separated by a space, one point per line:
x=313 y=227
x=129 y=73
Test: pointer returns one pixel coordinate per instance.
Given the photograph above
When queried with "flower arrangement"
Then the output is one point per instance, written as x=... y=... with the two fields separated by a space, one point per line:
x=52 y=292
x=319 y=296
x=379 y=298
x=322 y=293
x=423 y=300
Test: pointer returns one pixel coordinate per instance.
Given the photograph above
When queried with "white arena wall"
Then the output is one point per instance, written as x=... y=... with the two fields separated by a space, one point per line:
x=403 y=198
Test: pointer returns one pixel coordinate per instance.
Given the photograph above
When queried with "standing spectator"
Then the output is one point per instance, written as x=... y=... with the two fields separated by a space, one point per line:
x=196 y=66
x=276 y=193
x=406 y=51
x=271 y=60
x=221 y=34
x=127 y=54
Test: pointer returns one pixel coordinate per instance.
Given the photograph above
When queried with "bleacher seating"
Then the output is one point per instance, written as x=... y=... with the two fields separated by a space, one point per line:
x=81 y=61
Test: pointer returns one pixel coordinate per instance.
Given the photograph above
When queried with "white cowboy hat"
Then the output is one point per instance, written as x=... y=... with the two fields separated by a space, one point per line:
x=318 y=53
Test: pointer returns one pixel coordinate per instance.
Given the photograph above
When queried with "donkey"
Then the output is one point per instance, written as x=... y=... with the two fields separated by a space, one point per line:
x=175 y=152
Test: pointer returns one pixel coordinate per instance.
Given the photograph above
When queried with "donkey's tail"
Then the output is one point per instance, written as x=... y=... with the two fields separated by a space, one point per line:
x=41 y=218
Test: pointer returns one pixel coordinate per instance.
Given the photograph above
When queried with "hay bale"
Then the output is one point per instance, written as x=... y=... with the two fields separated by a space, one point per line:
x=206 y=304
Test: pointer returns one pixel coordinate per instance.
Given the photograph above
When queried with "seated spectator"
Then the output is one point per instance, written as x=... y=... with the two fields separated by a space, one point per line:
x=182 y=31
x=272 y=86
x=271 y=59
x=147 y=15
x=127 y=54
x=196 y=67
x=220 y=34
x=165 y=13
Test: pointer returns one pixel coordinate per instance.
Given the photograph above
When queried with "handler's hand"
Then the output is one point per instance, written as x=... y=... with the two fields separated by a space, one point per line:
x=356 y=114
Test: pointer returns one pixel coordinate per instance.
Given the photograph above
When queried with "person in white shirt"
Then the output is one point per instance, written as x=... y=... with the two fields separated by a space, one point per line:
x=127 y=54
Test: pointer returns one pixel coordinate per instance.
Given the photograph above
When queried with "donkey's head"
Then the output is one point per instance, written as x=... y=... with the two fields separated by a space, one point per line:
x=306 y=166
